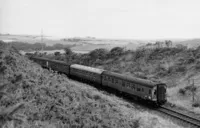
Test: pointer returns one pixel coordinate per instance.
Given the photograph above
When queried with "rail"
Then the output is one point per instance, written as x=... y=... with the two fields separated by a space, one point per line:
x=178 y=115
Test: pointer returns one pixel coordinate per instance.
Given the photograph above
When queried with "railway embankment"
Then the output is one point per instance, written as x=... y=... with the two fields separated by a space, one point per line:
x=34 y=97
x=178 y=67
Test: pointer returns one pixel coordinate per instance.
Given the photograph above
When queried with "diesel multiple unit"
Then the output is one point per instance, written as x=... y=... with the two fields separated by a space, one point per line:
x=138 y=88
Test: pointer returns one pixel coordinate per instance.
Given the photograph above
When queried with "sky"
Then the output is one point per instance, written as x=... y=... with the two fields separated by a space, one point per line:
x=133 y=19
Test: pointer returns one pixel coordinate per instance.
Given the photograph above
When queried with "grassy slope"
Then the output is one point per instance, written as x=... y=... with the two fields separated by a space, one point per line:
x=170 y=65
x=52 y=100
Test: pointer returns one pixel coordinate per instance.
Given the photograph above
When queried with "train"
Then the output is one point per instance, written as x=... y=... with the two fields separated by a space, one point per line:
x=146 y=90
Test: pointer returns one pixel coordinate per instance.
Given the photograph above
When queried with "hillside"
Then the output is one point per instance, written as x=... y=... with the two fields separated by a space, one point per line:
x=191 y=42
x=175 y=66
x=36 y=97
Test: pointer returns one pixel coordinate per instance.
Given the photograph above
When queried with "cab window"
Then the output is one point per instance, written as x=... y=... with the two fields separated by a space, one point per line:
x=155 y=92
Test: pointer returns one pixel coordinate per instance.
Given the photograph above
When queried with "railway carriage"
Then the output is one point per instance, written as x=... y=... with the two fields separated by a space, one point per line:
x=41 y=61
x=139 y=88
x=59 y=66
x=86 y=73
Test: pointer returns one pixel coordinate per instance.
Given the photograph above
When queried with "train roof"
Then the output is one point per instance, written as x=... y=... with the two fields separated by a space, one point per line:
x=143 y=82
x=47 y=59
x=86 y=68
x=57 y=61
x=39 y=58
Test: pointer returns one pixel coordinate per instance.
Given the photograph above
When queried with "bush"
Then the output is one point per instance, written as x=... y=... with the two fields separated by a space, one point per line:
x=139 y=53
x=136 y=123
x=57 y=54
x=116 y=51
x=182 y=91
x=9 y=60
x=180 y=68
x=197 y=66
x=98 y=54
x=196 y=104
x=191 y=88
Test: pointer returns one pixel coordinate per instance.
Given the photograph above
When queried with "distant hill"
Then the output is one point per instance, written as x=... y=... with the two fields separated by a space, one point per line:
x=191 y=42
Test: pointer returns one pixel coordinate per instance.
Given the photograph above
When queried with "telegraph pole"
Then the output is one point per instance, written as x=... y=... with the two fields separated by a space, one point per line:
x=42 y=38
x=193 y=89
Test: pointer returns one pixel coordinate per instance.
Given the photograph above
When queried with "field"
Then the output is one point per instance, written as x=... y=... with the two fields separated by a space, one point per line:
x=88 y=44
x=36 y=97
x=79 y=44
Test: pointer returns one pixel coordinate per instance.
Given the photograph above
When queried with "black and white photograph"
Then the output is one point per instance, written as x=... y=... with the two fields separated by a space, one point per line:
x=99 y=64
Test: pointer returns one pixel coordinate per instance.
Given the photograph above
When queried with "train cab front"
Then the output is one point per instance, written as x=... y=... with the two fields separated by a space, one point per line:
x=161 y=93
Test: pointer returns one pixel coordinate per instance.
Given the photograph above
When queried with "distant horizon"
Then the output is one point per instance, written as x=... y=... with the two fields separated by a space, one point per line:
x=10 y=34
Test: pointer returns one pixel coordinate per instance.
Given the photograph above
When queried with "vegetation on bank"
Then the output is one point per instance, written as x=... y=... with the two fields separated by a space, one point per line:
x=174 y=65
x=34 y=97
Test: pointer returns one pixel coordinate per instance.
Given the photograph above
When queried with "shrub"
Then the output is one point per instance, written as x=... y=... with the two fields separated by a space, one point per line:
x=68 y=51
x=196 y=104
x=190 y=60
x=116 y=51
x=197 y=66
x=180 y=46
x=191 y=88
x=139 y=53
x=98 y=54
x=182 y=91
x=136 y=123
x=68 y=54
x=57 y=53
x=2 y=67
x=180 y=68
x=9 y=60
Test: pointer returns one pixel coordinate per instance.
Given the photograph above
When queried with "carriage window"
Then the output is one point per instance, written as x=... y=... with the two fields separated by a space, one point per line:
x=142 y=89
x=133 y=86
x=128 y=85
x=138 y=89
x=123 y=84
x=155 y=92
x=112 y=80
x=116 y=81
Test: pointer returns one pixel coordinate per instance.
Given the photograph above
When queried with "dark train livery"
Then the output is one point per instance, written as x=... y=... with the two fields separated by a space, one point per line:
x=138 y=88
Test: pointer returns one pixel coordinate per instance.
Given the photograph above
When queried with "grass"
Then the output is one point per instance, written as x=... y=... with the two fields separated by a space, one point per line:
x=181 y=95
x=173 y=66
x=42 y=98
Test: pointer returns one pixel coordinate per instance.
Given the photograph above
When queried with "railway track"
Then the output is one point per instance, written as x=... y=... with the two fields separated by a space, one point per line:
x=178 y=115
